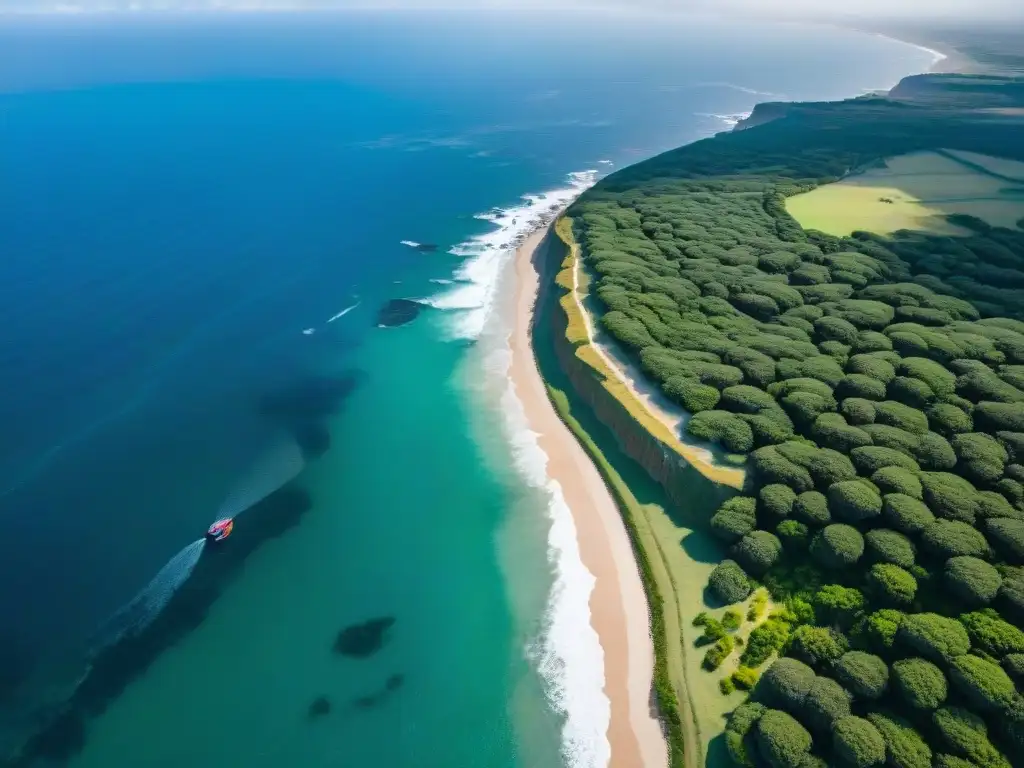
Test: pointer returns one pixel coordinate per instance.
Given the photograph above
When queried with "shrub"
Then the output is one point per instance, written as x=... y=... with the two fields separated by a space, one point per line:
x=858 y=411
x=919 y=683
x=831 y=431
x=734 y=519
x=897 y=480
x=901 y=416
x=758 y=551
x=724 y=428
x=741 y=722
x=861 y=386
x=872 y=341
x=744 y=678
x=853 y=501
x=766 y=639
x=817 y=646
x=822 y=367
x=887 y=546
x=777 y=499
x=718 y=652
x=949 y=496
x=892 y=584
x=794 y=535
x=1014 y=666
x=729 y=583
x=906 y=514
x=995 y=417
x=938 y=379
x=949 y=420
x=934 y=452
x=866 y=675
x=831 y=328
x=744 y=398
x=965 y=734
x=781 y=740
x=984 y=684
x=880 y=628
x=756 y=305
x=981 y=457
x=812 y=508
x=933 y=636
x=826 y=701
x=913 y=392
x=784 y=685
x=726 y=686
x=972 y=580
x=904 y=747
x=1008 y=537
x=732 y=620
x=691 y=393
x=770 y=466
x=991 y=504
x=952 y=538
x=805 y=407
x=872 y=458
x=837 y=546
x=838 y=604
x=992 y=634
x=871 y=365
x=857 y=743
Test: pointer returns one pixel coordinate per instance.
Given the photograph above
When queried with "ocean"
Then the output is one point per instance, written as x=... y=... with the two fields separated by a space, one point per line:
x=200 y=220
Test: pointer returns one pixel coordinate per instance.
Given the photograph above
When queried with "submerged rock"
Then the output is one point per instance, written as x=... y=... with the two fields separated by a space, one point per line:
x=398 y=312
x=309 y=399
x=319 y=707
x=426 y=247
x=394 y=682
x=363 y=640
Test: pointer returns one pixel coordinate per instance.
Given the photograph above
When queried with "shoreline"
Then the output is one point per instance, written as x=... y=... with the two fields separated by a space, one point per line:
x=618 y=604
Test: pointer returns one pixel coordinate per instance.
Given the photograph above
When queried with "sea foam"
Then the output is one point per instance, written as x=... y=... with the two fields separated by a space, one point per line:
x=472 y=298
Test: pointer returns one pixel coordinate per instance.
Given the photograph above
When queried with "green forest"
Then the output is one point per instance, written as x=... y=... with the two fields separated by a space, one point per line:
x=873 y=385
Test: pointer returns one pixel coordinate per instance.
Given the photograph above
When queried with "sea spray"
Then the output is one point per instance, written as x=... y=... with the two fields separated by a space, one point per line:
x=472 y=298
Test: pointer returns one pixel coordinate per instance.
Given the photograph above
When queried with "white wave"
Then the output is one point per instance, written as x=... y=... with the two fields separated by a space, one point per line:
x=343 y=312
x=567 y=651
x=442 y=281
x=741 y=89
x=730 y=120
x=411 y=243
x=308 y=331
x=605 y=162
x=472 y=300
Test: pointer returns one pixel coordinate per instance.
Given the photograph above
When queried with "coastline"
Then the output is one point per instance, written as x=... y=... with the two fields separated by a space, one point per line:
x=618 y=605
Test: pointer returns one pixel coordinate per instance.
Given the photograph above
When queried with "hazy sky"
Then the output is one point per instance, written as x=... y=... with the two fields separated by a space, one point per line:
x=816 y=8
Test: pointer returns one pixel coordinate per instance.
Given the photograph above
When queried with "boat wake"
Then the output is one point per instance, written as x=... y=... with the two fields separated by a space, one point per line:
x=343 y=312
x=472 y=299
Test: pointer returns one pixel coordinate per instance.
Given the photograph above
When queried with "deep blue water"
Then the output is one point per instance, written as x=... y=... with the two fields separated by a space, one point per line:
x=181 y=197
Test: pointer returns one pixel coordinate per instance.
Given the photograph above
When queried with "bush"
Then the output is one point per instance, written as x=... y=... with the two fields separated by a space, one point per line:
x=770 y=466
x=995 y=417
x=866 y=675
x=718 y=652
x=933 y=636
x=724 y=428
x=949 y=496
x=1014 y=666
x=817 y=646
x=741 y=723
x=837 y=604
x=934 y=452
x=938 y=379
x=880 y=628
x=822 y=367
x=897 y=480
x=758 y=551
x=901 y=416
x=777 y=499
x=831 y=431
x=805 y=407
x=919 y=683
x=691 y=393
x=952 y=538
x=744 y=398
x=832 y=328
x=781 y=740
x=784 y=685
x=872 y=341
x=991 y=504
x=964 y=733
x=825 y=703
x=949 y=420
x=812 y=508
x=972 y=580
x=744 y=678
x=858 y=411
x=982 y=683
x=872 y=458
x=794 y=535
x=729 y=583
x=981 y=457
x=904 y=747
x=1008 y=537
x=857 y=743
x=734 y=519
x=732 y=620
x=992 y=634
x=887 y=546
x=913 y=392
x=861 y=386
x=766 y=639
x=873 y=366
x=892 y=584
x=853 y=501
x=838 y=546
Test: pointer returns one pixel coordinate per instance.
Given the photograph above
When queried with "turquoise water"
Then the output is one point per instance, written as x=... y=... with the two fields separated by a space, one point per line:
x=189 y=205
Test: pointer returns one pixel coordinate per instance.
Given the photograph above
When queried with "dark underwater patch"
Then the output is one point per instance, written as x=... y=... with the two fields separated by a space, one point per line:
x=398 y=312
x=363 y=640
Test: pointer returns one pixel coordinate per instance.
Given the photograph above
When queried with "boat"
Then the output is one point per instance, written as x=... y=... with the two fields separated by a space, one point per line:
x=220 y=530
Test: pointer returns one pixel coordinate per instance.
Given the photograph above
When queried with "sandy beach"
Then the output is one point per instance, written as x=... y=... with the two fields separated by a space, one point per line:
x=618 y=605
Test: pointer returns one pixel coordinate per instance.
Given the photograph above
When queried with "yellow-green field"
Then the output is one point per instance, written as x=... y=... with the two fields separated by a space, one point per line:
x=916 y=191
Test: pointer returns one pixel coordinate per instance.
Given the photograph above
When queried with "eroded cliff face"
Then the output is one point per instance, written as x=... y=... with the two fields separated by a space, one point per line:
x=695 y=496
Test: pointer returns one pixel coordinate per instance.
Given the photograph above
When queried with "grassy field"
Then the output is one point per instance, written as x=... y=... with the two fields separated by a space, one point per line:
x=916 y=191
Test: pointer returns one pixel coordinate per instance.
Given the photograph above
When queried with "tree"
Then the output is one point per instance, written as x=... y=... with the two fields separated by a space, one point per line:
x=919 y=683
x=817 y=646
x=785 y=685
x=904 y=747
x=742 y=722
x=972 y=580
x=857 y=742
x=934 y=636
x=758 y=551
x=866 y=675
x=885 y=546
x=838 y=546
x=891 y=584
x=728 y=582
x=781 y=740
x=984 y=684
